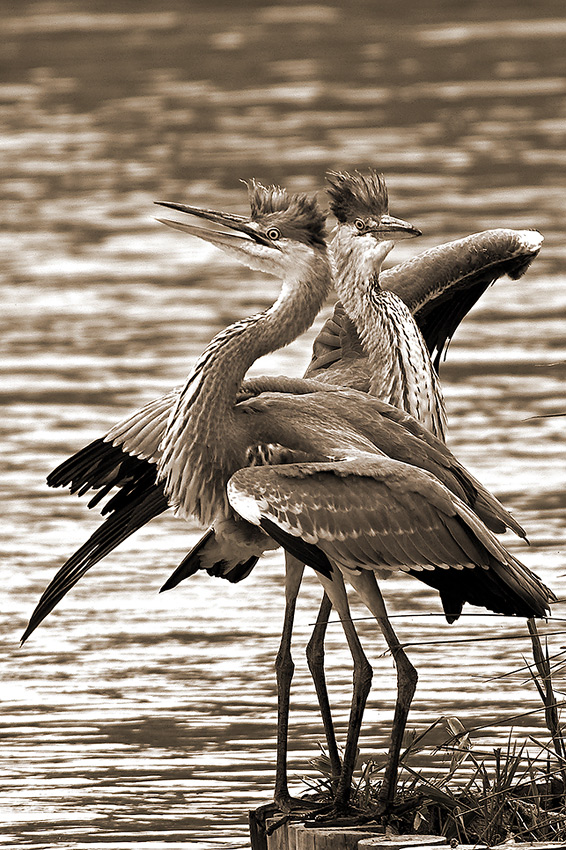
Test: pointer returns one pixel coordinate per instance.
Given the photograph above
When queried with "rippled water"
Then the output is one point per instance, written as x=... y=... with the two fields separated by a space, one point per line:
x=132 y=716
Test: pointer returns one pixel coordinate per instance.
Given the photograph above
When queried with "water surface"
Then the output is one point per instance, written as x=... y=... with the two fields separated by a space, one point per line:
x=137 y=717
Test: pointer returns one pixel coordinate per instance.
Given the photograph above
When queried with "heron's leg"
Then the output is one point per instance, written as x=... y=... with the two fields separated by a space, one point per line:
x=363 y=673
x=366 y=586
x=284 y=668
x=315 y=658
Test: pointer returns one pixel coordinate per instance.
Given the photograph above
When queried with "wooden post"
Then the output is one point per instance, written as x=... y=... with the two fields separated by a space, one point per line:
x=402 y=842
x=297 y=836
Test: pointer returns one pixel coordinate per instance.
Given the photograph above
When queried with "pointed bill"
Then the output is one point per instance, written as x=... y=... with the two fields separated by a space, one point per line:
x=390 y=227
x=242 y=239
x=232 y=221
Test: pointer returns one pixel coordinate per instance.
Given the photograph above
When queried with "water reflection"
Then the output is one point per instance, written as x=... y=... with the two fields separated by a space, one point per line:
x=137 y=714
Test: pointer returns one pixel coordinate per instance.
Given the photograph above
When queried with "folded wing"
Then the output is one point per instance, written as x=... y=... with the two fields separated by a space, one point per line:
x=382 y=515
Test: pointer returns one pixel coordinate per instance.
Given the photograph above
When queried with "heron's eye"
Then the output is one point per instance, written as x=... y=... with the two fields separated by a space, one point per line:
x=273 y=233
x=360 y=224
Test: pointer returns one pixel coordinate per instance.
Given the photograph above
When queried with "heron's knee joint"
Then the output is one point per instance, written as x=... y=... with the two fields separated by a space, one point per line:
x=408 y=680
x=363 y=674
x=284 y=666
x=315 y=654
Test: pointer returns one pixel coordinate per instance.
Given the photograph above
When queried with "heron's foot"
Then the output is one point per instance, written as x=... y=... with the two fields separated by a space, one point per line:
x=294 y=809
x=291 y=805
x=268 y=810
x=350 y=815
x=340 y=814
x=333 y=814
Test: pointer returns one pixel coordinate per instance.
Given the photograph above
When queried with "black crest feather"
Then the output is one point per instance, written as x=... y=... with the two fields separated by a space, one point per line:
x=353 y=195
x=297 y=216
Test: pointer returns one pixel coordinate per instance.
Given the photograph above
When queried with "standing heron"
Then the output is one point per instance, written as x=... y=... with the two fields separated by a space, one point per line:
x=209 y=437
x=385 y=355
x=396 y=366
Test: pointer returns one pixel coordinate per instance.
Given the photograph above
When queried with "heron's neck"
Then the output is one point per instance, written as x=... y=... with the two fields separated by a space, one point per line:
x=210 y=392
x=356 y=280
x=400 y=366
x=201 y=445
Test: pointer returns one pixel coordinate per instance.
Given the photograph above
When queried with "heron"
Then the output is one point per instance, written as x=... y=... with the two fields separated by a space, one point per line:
x=387 y=356
x=398 y=366
x=194 y=478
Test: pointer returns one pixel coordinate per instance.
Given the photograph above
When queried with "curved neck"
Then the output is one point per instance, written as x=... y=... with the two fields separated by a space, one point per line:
x=400 y=366
x=213 y=384
x=356 y=267
x=201 y=446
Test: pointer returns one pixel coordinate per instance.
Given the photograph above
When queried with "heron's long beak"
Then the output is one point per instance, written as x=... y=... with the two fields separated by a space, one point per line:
x=239 y=223
x=241 y=240
x=395 y=229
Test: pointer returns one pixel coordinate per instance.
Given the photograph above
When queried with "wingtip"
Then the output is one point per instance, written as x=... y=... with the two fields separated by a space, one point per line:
x=169 y=584
x=25 y=635
x=185 y=569
x=519 y=531
x=36 y=619
x=532 y=240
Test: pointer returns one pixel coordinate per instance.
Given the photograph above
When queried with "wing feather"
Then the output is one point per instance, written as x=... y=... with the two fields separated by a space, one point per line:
x=140 y=433
x=128 y=452
x=379 y=514
x=440 y=286
x=398 y=435
x=337 y=343
x=139 y=510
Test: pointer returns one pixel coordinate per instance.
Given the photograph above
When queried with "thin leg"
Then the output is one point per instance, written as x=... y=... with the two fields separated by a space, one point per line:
x=315 y=658
x=366 y=586
x=284 y=668
x=362 y=682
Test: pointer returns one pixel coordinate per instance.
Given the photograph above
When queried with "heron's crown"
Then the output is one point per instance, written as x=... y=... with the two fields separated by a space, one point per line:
x=297 y=216
x=354 y=195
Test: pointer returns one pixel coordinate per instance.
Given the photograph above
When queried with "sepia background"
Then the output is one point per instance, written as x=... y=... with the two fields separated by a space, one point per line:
x=132 y=716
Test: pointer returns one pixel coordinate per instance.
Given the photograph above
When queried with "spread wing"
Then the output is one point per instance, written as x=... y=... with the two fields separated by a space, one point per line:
x=443 y=284
x=132 y=511
x=396 y=434
x=123 y=461
x=127 y=452
x=375 y=513
x=440 y=286
x=131 y=449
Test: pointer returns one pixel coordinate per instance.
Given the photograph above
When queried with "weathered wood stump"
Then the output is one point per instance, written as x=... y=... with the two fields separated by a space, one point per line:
x=297 y=836
x=401 y=842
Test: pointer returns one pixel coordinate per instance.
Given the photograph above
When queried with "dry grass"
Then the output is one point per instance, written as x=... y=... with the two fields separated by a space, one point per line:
x=474 y=796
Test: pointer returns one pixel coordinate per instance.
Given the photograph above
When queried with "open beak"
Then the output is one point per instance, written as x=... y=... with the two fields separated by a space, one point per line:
x=395 y=229
x=221 y=239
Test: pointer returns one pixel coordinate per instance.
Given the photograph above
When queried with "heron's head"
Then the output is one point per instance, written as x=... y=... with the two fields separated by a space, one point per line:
x=361 y=206
x=284 y=232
